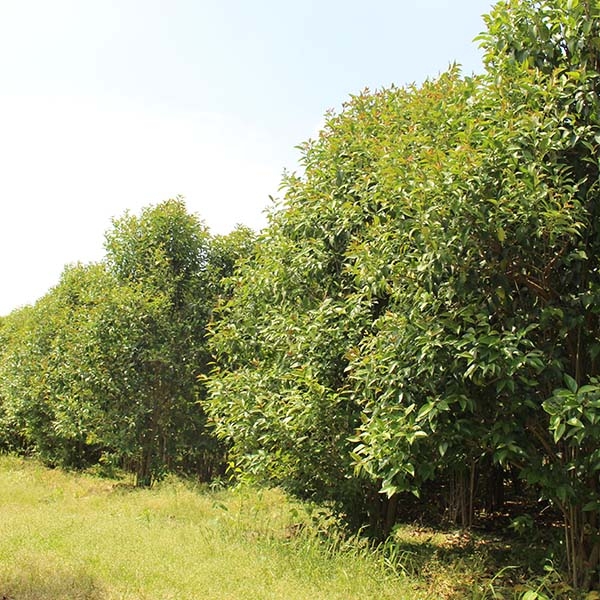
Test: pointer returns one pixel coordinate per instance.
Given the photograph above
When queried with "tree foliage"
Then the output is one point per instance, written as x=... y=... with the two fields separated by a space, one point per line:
x=421 y=312
x=424 y=305
x=105 y=367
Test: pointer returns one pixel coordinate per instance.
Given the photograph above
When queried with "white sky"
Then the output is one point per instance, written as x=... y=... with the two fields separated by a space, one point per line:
x=111 y=105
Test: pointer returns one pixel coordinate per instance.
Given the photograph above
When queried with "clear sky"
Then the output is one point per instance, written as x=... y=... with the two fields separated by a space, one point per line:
x=111 y=105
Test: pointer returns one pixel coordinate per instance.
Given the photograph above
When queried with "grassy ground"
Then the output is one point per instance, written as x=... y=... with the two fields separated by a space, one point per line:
x=66 y=536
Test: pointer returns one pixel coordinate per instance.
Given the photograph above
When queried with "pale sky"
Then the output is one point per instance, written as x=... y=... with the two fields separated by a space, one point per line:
x=110 y=105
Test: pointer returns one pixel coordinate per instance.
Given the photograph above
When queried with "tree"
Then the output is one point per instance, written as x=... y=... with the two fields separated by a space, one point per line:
x=48 y=406
x=104 y=367
x=153 y=334
x=276 y=391
x=424 y=304
x=546 y=55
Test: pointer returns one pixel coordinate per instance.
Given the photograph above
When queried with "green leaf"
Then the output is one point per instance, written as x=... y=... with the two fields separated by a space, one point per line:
x=388 y=488
x=442 y=447
x=559 y=432
x=570 y=383
x=533 y=595
x=588 y=389
x=425 y=410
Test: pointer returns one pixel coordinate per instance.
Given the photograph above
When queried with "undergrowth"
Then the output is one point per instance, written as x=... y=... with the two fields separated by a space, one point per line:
x=77 y=536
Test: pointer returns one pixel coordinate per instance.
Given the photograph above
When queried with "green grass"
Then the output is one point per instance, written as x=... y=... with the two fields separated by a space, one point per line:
x=73 y=536
x=65 y=536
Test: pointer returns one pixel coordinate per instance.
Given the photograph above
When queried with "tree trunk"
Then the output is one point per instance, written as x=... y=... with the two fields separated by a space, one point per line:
x=582 y=538
x=461 y=495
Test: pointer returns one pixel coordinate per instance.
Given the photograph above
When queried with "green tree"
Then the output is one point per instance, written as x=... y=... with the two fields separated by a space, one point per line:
x=105 y=367
x=543 y=57
x=276 y=393
x=154 y=335
x=426 y=299
x=48 y=406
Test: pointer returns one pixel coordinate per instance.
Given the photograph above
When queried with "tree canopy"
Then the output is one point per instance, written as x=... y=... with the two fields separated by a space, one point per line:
x=105 y=367
x=424 y=305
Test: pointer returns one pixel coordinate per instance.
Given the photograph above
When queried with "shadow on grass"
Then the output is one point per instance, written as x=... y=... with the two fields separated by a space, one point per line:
x=48 y=582
x=505 y=560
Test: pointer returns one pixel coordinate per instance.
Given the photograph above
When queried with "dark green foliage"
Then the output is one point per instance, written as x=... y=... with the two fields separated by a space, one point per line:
x=424 y=306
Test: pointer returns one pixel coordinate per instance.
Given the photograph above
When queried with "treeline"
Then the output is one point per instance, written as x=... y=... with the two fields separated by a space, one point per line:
x=421 y=315
x=104 y=368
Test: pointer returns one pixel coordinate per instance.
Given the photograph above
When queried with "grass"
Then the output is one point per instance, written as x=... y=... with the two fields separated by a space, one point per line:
x=75 y=536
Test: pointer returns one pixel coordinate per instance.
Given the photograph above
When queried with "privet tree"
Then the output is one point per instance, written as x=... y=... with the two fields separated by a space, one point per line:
x=49 y=408
x=550 y=51
x=154 y=335
x=277 y=389
x=170 y=275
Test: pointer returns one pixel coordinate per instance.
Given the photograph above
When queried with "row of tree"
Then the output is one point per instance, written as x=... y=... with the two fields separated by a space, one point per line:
x=103 y=369
x=420 y=316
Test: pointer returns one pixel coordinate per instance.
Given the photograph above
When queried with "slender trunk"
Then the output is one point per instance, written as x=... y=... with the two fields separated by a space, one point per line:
x=461 y=495
x=143 y=476
x=583 y=547
x=390 y=515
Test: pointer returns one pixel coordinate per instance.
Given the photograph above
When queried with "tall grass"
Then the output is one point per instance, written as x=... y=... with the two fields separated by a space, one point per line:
x=65 y=536
x=76 y=536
